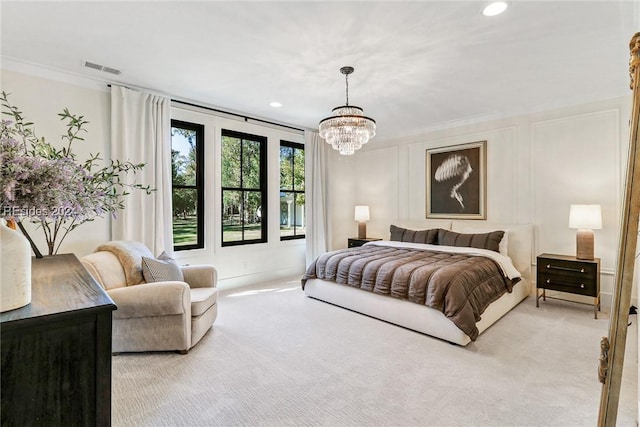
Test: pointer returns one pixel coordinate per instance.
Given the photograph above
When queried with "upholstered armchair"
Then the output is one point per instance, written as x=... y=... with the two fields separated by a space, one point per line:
x=154 y=314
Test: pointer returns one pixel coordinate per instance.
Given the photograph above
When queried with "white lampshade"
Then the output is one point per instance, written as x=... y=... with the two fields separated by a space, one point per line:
x=587 y=217
x=362 y=213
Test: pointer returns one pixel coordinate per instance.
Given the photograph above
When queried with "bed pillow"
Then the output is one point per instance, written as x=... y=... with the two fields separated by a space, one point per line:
x=399 y=234
x=490 y=241
x=504 y=243
x=162 y=269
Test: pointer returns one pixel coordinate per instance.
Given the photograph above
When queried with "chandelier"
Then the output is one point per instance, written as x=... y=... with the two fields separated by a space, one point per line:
x=348 y=129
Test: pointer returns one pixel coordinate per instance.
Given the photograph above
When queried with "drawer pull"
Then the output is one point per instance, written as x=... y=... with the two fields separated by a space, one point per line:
x=573 y=270
x=549 y=282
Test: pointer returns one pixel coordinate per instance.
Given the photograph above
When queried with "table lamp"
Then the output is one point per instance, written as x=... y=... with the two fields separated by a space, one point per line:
x=362 y=215
x=585 y=218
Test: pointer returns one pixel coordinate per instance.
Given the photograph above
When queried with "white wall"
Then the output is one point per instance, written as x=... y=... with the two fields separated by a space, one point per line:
x=40 y=101
x=42 y=94
x=239 y=265
x=537 y=166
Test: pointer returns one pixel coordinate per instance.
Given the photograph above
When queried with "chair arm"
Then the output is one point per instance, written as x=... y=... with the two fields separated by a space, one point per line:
x=151 y=299
x=200 y=276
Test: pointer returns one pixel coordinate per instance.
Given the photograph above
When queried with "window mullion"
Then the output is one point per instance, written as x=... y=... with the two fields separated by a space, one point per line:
x=293 y=189
x=242 y=187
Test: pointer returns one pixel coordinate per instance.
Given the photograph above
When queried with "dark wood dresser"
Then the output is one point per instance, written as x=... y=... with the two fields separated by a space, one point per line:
x=569 y=274
x=56 y=351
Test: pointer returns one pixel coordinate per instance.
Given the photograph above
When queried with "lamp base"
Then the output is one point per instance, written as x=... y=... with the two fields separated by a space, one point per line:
x=362 y=230
x=584 y=244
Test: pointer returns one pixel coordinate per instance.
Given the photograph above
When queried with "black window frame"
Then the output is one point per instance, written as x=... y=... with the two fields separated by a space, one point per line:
x=295 y=146
x=199 y=186
x=262 y=140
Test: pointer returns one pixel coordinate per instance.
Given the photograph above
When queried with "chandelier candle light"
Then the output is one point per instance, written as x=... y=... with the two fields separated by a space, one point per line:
x=348 y=129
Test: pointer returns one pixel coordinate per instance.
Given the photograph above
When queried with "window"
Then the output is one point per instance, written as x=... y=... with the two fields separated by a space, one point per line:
x=244 y=188
x=187 y=161
x=292 y=223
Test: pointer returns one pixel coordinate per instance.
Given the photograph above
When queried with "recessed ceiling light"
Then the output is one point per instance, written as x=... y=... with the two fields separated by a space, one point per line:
x=495 y=8
x=276 y=104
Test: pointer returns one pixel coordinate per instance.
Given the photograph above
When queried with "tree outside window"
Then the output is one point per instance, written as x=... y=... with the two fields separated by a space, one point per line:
x=187 y=154
x=292 y=203
x=244 y=188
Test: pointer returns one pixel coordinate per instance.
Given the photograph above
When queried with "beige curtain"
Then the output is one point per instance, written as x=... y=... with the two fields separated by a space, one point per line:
x=316 y=173
x=141 y=133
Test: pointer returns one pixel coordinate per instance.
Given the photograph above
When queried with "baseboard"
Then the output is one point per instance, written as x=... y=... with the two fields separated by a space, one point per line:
x=606 y=299
x=261 y=277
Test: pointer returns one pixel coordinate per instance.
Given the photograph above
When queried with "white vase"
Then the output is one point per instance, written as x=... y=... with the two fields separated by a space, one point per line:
x=15 y=269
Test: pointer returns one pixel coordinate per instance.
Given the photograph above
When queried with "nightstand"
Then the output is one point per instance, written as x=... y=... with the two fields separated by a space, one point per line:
x=354 y=241
x=568 y=274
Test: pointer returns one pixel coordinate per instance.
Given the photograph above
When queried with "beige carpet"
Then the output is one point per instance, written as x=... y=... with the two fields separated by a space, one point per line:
x=278 y=358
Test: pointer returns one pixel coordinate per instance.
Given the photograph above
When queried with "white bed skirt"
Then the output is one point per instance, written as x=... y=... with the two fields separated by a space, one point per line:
x=408 y=314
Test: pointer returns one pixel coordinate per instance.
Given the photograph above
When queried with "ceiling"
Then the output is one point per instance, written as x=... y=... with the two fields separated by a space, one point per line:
x=418 y=65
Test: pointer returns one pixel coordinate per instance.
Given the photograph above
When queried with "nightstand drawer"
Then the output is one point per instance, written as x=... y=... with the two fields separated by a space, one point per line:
x=353 y=242
x=569 y=284
x=564 y=268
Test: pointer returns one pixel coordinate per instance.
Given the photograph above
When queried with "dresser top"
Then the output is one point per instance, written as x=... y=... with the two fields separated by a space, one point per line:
x=567 y=258
x=60 y=285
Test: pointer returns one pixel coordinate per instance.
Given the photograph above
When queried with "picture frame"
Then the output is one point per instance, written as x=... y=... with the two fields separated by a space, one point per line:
x=456 y=181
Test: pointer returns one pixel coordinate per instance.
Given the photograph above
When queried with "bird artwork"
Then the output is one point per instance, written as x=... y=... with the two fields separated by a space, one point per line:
x=455 y=168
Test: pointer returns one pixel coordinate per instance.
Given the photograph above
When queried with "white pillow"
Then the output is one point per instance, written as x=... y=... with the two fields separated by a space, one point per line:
x=503 y=248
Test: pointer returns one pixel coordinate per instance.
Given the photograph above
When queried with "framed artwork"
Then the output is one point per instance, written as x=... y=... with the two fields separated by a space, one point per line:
x=456 y=181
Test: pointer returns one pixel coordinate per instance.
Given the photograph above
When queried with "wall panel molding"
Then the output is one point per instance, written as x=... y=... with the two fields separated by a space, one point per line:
x=576 y=158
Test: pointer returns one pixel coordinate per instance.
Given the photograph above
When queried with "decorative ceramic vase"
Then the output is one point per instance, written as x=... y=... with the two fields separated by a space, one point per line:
x=15 y=269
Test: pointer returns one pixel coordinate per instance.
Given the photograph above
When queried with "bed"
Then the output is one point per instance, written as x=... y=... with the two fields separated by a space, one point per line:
x=410 y=310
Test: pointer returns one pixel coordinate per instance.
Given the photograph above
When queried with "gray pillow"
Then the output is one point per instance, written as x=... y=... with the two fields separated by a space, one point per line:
x=163 y=269
x=489 y=241
x=399 y=234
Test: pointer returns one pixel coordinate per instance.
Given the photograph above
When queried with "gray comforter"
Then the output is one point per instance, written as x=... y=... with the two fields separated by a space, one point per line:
x=460 y=286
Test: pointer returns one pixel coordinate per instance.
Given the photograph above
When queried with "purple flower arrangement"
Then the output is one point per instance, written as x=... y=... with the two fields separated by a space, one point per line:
x=49 y=186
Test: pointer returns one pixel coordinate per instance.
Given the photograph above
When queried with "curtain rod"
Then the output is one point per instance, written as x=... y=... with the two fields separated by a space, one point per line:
x=246 y=118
